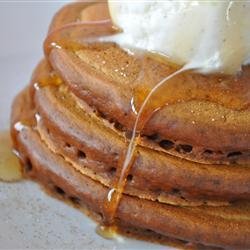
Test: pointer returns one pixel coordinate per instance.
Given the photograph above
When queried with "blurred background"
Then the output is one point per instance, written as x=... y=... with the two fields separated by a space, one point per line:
x=23 y=26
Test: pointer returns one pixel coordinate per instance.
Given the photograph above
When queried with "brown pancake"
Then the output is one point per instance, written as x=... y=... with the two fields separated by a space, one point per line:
x=207 y=120
x=77 y=133
x=227 y=227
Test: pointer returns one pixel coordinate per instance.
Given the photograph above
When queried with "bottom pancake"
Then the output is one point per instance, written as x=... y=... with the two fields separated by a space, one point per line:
x=225 y=227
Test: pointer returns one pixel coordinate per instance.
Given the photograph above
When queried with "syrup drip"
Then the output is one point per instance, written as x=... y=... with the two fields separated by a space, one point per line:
x=45 y=76
x=10 y=168
x=115 y=194
x=145 y=112
x=107 y=232
x=229 y=91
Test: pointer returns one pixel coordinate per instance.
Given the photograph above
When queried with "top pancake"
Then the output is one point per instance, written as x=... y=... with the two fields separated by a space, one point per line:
x=207 y=116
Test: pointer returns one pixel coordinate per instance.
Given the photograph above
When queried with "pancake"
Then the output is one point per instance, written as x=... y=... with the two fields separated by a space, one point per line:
x=71 y=128
x=189 y=179
x=223 y=226
x=205 y=126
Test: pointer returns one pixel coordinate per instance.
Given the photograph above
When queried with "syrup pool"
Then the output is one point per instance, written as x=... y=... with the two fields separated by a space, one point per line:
x=10 y=168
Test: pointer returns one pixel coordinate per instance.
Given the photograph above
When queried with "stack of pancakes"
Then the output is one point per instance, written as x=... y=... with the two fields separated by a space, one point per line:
x=190 y=178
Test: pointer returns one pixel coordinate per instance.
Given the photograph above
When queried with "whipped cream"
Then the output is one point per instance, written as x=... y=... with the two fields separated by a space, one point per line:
x=213 y=36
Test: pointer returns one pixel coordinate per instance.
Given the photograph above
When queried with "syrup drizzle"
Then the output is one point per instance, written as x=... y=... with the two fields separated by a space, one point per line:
x=10 y=168
x=115 y=194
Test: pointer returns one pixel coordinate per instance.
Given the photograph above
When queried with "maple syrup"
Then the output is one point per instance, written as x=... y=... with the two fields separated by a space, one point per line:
x=10 y=168
x=45 y=76
x=144 y=113
x=107 y=232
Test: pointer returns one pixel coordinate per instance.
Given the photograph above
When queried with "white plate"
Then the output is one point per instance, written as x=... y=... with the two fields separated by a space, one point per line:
x=28 y=217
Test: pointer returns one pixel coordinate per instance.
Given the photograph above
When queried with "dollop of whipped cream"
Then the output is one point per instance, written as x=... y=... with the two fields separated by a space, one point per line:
x=212 y=36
